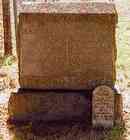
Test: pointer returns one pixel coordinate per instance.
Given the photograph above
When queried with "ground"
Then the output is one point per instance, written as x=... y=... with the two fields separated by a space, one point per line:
x=72 y=131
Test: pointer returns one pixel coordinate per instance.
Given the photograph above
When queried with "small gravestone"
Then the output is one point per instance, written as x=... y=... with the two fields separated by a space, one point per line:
x=103 y=107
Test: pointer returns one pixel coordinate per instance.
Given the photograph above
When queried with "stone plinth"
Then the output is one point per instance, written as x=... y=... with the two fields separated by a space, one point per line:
x=27 y=105
x=67 y=46
x=103 y=107
x=50 y=106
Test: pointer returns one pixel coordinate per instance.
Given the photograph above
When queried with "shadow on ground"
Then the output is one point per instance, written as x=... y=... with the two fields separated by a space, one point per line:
x=58 y=131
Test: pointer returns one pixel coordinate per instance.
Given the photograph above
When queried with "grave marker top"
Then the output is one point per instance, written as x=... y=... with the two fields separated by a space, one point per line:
x=78 y=7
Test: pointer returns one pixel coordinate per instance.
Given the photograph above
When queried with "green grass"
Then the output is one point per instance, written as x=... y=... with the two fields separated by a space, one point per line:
x=7 y=60
x=116 y=133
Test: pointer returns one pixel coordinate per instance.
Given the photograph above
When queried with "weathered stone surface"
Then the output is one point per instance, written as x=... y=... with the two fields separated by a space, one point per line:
x=103 y=107
x=49 y=106
x=67 y=7
x=118 y=109
x=64 y=47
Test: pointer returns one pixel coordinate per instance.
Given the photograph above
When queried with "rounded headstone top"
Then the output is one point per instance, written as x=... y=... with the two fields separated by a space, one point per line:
x=103 y=90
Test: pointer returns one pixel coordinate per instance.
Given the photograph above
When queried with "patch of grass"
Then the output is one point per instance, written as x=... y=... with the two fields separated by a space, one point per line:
x=1 y=138
x=116 y=133
x=7 y=60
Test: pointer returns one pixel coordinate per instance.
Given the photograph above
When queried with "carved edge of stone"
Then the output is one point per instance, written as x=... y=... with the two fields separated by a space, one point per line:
x=35 y=82
x=118 y=110
x=63 y=7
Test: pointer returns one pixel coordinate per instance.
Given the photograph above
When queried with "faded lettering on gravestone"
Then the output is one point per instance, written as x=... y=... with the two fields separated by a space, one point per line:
x=103 y=107
x=66 y=59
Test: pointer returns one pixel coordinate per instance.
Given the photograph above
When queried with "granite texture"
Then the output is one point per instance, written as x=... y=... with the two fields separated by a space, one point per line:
x=118 y=109
x=49 y=106
x=66 y=51
x=68 y=7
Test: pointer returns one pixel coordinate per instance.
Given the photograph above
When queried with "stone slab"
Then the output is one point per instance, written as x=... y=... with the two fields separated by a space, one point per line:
x=103 y=107
x=27 y=105
x=59 y=50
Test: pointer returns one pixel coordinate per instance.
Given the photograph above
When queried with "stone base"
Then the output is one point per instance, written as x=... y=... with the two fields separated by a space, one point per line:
x=27 y=105
x=118 y=109
x=46 y=106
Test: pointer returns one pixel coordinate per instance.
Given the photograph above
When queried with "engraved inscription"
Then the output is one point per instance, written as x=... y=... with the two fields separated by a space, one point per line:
x=103 y=106
x=60 y=51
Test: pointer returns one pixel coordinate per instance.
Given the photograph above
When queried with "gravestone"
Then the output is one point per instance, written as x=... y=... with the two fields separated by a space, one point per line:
x=103 y=107
x=63 y=49
x=67 y=59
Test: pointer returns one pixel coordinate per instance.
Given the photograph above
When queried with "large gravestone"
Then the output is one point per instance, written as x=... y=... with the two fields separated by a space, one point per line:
x=63 y=46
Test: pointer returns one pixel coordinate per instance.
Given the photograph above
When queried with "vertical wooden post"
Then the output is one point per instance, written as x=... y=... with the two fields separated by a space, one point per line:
x=7 y=27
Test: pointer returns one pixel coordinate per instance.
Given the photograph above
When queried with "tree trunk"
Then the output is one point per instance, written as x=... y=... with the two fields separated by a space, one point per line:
x=7 y=27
